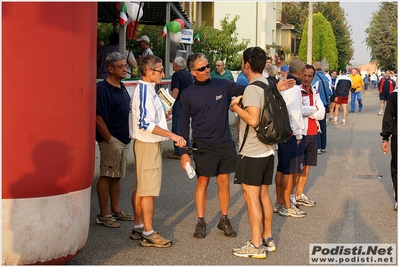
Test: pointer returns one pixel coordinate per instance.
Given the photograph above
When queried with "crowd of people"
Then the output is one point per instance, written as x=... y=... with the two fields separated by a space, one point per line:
x=200 y=128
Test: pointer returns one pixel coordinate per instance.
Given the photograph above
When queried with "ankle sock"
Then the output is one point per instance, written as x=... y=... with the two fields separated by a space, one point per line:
x=139 y=227
x=224 y=217
x=201 y=219
x=149 y=233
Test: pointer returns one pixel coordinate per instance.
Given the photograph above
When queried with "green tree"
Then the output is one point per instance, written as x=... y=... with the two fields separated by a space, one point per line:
x=221 y=44
x=297 y=13
x=323 y=40
x=104 y=30
x=336 y=16
x=382 y=36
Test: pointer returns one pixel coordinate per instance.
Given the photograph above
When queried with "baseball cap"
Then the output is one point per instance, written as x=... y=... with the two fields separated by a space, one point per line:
x=284 y=68
x=144 y=38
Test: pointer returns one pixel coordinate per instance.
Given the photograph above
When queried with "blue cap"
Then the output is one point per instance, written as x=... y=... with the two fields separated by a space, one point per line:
x=284 y=68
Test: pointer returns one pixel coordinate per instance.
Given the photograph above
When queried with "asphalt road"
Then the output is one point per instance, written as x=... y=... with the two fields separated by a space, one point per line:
x=351 y=185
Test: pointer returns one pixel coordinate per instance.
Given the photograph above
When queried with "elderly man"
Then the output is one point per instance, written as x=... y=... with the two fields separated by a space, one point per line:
x=206 y=102
x=220 y=72
x=144 y=44
x=149 y=129
x=112 y=135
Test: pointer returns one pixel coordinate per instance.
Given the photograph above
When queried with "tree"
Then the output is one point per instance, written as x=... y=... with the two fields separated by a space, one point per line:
x=297 y=13
x=382 y=36
x=221 y=44
x=324 y=45
x=336 y=16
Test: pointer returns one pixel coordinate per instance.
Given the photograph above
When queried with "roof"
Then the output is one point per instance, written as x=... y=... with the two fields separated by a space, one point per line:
x=154 y=13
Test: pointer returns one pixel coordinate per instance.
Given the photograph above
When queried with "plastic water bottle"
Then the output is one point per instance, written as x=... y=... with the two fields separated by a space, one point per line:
x=190 y=170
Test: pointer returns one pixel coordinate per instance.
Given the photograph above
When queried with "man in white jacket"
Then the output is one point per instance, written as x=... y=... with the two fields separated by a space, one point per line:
x=148 y=128
x=312 y=111
x=290 y=153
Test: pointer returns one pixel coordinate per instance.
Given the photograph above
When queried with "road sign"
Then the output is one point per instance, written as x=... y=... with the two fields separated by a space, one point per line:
x=187 y=36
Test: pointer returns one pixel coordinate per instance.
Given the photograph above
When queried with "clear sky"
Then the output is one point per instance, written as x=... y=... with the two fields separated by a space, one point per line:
x=358 y=15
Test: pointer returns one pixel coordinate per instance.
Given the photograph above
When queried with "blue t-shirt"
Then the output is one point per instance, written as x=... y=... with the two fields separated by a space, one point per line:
x=208 y=106
x=113 y=105
x=181 y=79
x=242 y=79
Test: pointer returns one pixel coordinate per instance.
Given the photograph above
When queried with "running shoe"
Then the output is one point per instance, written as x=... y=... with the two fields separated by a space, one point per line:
x=269 y=244
x=200 y=230
x=250 y=251
x=276 y=208
x=305 y=201
x=225 y=226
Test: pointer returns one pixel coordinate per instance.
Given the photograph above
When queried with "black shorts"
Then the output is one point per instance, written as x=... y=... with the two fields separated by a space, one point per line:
x=254 y=171
x=310 y=147
x=290 y=156
x=385 y=96
x=214 y=159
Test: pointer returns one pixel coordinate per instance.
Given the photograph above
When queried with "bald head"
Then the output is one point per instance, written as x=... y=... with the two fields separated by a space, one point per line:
x=296 y=67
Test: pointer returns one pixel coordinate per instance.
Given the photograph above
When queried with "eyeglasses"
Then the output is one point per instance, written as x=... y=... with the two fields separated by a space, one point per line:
x=204 y=67
x=160 y=71
x=120 y=66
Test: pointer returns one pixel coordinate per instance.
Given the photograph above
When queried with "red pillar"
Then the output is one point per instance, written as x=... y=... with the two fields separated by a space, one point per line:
x=48 y=129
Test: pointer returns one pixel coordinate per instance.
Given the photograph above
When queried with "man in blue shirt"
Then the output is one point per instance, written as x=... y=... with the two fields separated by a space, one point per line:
x=112 y=135
x=325 y=93
x=206 y=102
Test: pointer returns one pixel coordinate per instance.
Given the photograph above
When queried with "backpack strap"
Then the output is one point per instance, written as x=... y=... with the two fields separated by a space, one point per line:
x=262 y=85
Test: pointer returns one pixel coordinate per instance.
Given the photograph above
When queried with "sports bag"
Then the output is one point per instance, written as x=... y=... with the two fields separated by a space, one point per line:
x=274 y=124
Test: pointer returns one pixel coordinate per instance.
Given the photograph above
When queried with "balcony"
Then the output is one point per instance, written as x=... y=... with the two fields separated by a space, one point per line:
x=281 y=18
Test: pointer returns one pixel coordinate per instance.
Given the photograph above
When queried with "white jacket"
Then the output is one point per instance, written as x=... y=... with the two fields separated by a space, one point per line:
x=309 y=109
x=293 y=100
x=146 y=113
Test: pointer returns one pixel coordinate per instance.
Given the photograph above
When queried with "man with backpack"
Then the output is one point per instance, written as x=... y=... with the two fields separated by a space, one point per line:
x=255 y=161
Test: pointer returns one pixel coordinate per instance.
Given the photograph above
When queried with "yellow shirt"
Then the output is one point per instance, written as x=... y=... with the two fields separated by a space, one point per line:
x=357 y=82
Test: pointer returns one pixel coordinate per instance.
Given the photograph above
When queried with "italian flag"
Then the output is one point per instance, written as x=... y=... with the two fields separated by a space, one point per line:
x=164 y=31
x=122 y=14
x=197 y=37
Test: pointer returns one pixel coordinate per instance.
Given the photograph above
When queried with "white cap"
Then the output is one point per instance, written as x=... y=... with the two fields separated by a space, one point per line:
x=144 y=38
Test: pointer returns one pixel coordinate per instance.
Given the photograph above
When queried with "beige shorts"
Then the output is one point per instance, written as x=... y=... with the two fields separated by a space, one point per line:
x=113 y=158
x=148 y=176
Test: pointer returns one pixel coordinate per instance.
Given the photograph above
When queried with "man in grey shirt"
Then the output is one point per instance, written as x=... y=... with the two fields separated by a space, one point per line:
x=255 y=161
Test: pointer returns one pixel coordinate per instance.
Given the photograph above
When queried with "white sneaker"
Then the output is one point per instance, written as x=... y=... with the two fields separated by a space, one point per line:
x=380 y=113
x=343 y=122
x=293 y=200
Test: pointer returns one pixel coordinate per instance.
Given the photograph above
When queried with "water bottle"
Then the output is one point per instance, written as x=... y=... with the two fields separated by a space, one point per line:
x=190 y=170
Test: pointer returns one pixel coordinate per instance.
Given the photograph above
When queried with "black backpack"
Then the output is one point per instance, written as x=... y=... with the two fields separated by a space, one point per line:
x=274 y=124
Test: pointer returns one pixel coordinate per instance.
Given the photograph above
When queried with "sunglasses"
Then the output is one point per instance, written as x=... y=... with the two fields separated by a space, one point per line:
x=204 y=67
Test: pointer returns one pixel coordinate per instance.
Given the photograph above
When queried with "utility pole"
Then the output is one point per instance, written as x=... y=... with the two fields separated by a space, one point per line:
x=310 y=33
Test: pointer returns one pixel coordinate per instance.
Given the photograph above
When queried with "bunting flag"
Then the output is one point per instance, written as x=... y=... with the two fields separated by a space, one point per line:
x=122 y=14
x=164 y=31
x=197 y=37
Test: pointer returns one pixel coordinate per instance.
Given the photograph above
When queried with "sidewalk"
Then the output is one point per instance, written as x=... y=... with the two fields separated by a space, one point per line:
x=353 y=206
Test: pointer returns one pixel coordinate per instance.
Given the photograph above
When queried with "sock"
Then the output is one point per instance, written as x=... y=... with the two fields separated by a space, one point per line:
x=149 y=233
x=335 y=118
x=201 y=219
x=224 y=217
x=139 y=227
